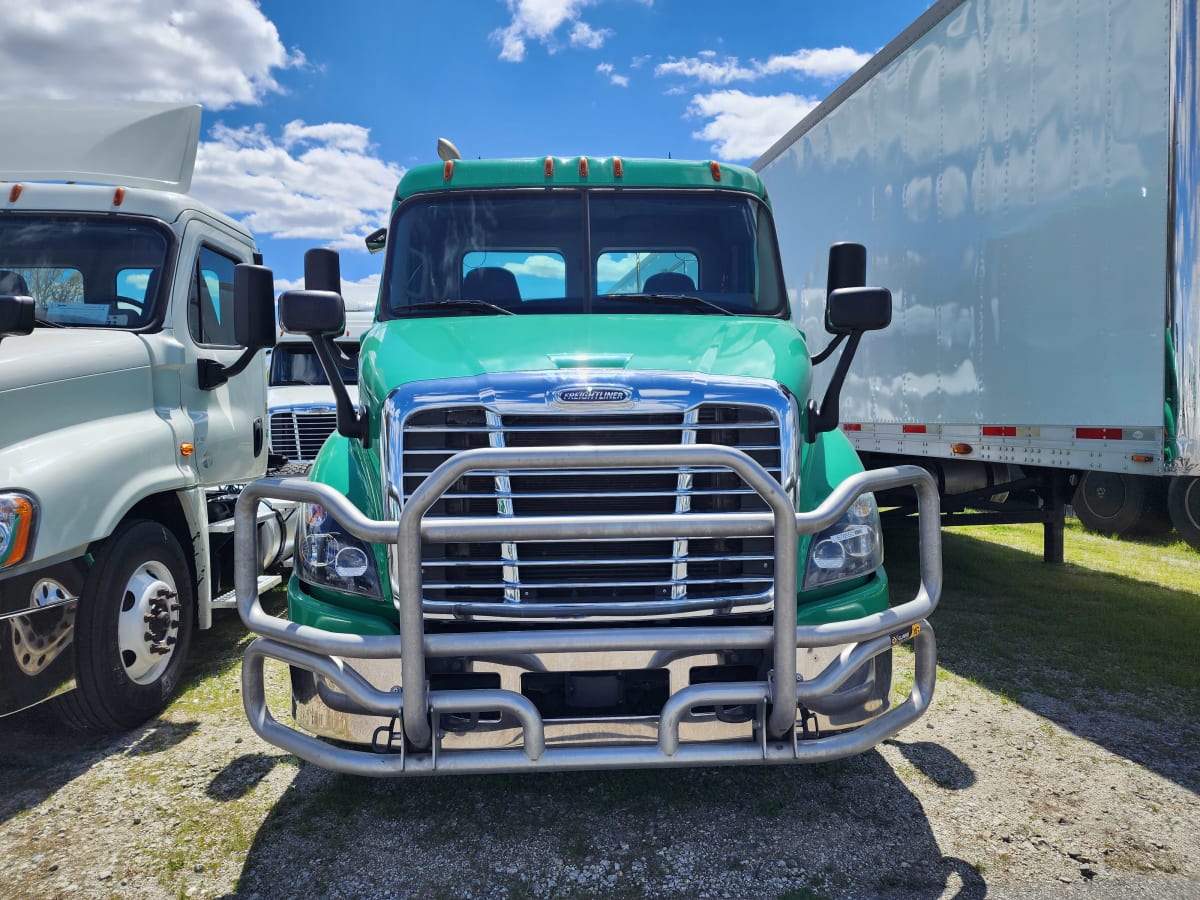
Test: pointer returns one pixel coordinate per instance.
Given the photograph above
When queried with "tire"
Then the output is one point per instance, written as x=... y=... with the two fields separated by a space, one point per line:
x=132 y=631
x=1121 y=504
x=1183 y=503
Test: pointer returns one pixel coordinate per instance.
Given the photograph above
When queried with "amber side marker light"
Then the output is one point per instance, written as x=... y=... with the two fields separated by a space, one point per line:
x=961 y=449
x=186 y=449
x=1140 y=457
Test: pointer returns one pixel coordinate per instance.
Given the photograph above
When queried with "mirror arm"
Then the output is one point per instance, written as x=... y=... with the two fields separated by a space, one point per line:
x=351 y=422
x=211 y=374
x=825 y=354
x=825 y=417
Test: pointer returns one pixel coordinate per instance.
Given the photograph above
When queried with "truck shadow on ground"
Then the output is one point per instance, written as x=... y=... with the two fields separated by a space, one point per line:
x=38 y=756
x=804 y=831
x=1104 y=656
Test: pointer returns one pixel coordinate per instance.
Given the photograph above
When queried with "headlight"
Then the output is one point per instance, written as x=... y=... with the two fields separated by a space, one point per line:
x=329 y=557
x=852 y=547
x=17 y=515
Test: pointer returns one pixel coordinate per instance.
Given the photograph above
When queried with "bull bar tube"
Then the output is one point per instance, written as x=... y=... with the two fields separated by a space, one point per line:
x=321 y=652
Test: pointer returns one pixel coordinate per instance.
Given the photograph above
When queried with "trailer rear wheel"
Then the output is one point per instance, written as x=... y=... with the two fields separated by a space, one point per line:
x=1121 y=504
x=1183 y=503
x=132 y=630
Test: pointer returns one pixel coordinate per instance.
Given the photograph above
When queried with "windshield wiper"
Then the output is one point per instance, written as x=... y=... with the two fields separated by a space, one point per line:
x=46 y=323
x=477 y=305
x=677 y=299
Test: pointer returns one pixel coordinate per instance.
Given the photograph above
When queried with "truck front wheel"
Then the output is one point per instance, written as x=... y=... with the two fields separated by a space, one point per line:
x=132 y=631
x=1183 y=503
x=1121 y=504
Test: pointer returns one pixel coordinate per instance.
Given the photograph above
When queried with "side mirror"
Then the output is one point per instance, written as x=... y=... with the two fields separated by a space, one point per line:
x=322 y=270
x=376 y=240
x=253 y=323
x=321 y=314
x=852 y=309
x=312 y=312
x=254 y=306
x=16 y=315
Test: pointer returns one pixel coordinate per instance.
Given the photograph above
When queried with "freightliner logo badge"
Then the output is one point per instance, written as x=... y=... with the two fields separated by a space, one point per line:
x=593 y=395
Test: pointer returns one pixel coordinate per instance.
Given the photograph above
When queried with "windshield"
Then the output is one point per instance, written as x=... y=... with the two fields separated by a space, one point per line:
x=630 y=251
x=84 y=272
x=293 y=364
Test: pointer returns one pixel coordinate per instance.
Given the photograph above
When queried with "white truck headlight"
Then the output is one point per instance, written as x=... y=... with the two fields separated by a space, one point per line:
x=326 y=555
x=17 y=515
x=850 y=548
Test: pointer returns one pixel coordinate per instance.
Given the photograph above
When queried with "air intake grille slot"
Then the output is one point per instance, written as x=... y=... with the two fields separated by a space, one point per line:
x=299 y=434
x=709 y=573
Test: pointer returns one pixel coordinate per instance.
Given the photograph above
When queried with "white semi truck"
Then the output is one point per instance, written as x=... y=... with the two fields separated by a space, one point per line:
x=132 y=407
x=1026 y=177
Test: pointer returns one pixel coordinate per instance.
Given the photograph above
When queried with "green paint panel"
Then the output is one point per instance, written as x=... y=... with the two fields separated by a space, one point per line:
x=526 y=173
x=402 y=351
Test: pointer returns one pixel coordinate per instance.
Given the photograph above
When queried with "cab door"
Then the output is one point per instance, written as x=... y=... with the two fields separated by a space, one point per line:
x=228 y=418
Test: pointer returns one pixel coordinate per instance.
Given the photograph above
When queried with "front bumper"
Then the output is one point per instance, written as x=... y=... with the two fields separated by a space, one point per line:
x=809 y=667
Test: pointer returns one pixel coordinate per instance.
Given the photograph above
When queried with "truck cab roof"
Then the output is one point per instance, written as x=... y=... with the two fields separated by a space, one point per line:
x=577 y=172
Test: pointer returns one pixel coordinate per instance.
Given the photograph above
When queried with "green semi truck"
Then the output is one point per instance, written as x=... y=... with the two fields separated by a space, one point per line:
x=585 y=513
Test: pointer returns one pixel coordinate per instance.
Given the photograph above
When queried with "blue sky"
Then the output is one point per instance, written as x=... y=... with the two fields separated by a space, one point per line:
x=312 y=110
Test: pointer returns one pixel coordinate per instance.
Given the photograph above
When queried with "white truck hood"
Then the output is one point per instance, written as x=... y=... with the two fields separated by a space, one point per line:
x=50 y=355
x=300 y=396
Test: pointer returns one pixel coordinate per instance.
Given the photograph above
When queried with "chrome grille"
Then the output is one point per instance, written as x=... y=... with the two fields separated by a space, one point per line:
x=298 y=433
x=532 y=578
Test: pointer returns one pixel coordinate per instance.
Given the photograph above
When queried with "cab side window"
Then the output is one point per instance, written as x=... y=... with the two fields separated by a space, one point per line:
x=210 y=300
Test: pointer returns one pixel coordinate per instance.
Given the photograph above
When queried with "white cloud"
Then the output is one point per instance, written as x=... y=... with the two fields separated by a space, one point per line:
x=605 y=68
x=358 y=295
x=825 y=64
x=744 y=125
x=540 y=20
x=829 y=64
x=620 y=80
x=322 y=183
x=539 y=266
x=584 y=35
x=215 y=52
x=706 y=71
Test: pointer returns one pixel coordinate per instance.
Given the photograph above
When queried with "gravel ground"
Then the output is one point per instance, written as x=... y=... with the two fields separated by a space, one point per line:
x=983 y=797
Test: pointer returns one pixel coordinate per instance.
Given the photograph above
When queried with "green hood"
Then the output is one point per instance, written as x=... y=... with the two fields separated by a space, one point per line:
x=402 y=351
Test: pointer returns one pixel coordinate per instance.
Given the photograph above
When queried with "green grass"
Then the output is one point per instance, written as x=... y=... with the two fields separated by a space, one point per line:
x=1118 y=623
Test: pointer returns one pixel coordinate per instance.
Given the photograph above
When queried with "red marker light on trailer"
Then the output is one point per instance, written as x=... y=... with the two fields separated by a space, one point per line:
x=999 y=431
x=914 y=429
x=1099 y=434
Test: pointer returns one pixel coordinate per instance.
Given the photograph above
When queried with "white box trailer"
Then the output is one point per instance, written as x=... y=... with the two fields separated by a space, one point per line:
x=1026 y=177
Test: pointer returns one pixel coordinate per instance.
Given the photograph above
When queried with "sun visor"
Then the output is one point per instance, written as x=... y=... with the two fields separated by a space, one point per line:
x=143 y=145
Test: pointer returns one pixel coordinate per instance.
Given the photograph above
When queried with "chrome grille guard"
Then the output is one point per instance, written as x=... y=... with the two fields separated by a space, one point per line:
x=322 y=652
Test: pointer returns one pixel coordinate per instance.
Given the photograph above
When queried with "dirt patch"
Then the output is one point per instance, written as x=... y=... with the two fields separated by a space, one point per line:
x=985 y=796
